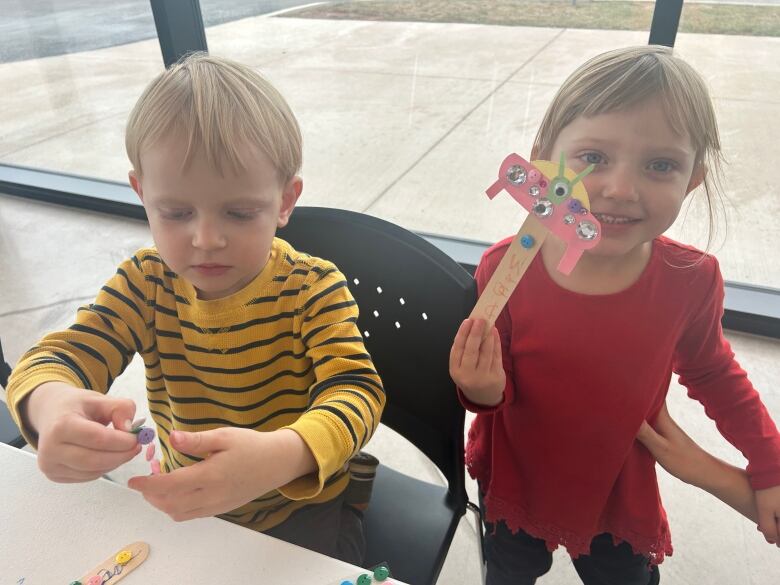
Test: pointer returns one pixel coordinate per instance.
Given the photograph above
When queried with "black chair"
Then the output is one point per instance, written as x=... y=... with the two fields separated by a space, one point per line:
x=9 y=432
x=412 y=299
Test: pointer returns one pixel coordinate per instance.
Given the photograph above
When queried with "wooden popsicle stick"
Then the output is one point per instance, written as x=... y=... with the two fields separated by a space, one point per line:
x=509 y=272
x=117 y=571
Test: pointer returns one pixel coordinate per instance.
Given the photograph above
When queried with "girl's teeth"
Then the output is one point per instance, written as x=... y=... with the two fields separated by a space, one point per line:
x=604 y=218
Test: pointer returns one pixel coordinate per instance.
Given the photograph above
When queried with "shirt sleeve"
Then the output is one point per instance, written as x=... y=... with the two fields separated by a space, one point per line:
x=705 y=363
x=347 y=398
x=95 y=349
x=487 y=266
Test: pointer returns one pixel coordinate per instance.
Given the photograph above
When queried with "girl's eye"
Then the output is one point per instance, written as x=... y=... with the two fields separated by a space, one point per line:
x=661 y=166
x=592 y=158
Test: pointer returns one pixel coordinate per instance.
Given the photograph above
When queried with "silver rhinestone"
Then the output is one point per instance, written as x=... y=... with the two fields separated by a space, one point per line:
x=586 y=230
x=516 y=175
x=534 y=191
x=543 y=208
x=568 y=219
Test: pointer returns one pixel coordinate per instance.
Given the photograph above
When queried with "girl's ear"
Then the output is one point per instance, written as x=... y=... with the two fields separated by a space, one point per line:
x=697 y=177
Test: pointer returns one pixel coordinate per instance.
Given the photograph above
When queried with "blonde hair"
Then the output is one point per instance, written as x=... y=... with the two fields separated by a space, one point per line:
x=619 y=79
x=221 y=107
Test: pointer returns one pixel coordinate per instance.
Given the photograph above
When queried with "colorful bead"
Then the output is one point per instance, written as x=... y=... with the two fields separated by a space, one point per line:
x=123 y=557
x=145 y=436
x=527 y=241
x=381 y=573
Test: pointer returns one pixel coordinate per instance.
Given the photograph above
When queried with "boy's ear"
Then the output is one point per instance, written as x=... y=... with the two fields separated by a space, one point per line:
x=292 y=190
x=135 y=183
x=697 y=177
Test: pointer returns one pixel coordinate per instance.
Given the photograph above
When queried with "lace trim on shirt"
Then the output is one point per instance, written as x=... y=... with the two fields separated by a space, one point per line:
x=516 y=518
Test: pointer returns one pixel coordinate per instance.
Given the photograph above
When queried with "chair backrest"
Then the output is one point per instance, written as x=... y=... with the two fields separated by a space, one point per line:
x=412 y=299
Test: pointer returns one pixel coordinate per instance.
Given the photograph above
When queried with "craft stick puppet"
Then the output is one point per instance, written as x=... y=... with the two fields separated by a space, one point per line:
x=116 y=567
x=557 y=203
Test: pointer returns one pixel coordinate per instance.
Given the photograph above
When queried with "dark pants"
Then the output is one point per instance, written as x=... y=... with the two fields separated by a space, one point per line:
x=519 y=559
x=332 y=528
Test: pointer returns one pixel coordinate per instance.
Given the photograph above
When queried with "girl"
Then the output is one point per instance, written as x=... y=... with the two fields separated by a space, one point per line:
x=577 y=363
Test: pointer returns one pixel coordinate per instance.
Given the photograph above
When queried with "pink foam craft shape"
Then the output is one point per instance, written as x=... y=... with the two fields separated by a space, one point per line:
x=561 y=204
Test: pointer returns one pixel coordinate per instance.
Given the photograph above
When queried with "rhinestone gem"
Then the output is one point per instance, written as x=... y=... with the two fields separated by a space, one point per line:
x=534 y=191
x=543 y=208
x=516 y=175
x=568 y=219
x=587 y=230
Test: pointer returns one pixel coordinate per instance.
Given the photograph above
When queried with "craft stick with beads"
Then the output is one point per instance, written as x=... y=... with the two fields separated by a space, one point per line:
x=557 y=203
x=116 y=567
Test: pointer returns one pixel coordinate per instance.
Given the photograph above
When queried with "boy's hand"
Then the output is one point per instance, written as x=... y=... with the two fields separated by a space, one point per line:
x=74 y=441
x=682 y=457
x=676 y=452
x=238 y=466
x=475 y=363
x=768 y=503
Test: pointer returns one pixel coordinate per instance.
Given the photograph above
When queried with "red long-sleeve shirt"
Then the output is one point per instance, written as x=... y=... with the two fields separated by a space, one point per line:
x=557 y=457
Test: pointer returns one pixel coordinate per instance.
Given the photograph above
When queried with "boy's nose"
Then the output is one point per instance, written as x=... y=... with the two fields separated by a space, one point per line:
x=208 y=236
x=620 y=183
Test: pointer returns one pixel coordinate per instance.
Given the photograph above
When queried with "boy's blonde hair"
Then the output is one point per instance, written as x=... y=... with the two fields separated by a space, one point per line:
x=619 y=79
x=221 y=107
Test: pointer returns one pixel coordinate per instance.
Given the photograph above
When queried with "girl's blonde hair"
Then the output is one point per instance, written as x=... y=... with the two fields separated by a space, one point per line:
x=622 y=78
x=221 y=107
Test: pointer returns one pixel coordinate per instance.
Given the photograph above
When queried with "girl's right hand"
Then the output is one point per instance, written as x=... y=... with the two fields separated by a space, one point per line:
x=476 y=365
x=74 y=442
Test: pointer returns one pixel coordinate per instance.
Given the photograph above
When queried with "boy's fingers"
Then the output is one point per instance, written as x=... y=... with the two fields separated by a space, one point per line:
x=767 y=524
x=199 y=444
x=650 y=439
x=119 y=411
x=87 y=460
x=178 y=481
x=87 y=433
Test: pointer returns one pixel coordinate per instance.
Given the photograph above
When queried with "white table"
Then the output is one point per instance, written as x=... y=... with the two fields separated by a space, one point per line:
x=51 y=534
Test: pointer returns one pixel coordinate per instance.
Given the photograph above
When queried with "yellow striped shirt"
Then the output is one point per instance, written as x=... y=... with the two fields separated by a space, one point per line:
x=284 y=352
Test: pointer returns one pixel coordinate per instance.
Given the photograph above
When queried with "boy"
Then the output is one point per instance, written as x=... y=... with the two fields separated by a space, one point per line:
x=257 y=377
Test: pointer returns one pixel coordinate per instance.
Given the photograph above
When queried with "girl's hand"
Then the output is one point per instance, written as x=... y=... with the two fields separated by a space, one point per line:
x=682 y=457
x=768 y=502
x=475 y=363
x=75 y=443
x=238 y=466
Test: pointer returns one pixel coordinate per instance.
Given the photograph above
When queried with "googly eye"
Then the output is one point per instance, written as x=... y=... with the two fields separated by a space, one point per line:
x=560 y=189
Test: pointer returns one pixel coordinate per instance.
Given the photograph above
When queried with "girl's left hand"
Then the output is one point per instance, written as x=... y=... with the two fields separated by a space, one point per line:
x=768 y=503
x=238 y=466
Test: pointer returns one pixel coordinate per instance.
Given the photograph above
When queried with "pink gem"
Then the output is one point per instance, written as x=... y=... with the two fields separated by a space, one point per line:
x=150 y=452
x=534 y=176
x=542 y=183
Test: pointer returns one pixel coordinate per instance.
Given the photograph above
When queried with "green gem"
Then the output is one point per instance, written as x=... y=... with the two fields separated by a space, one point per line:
x=364 y=579
x=381 y=573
